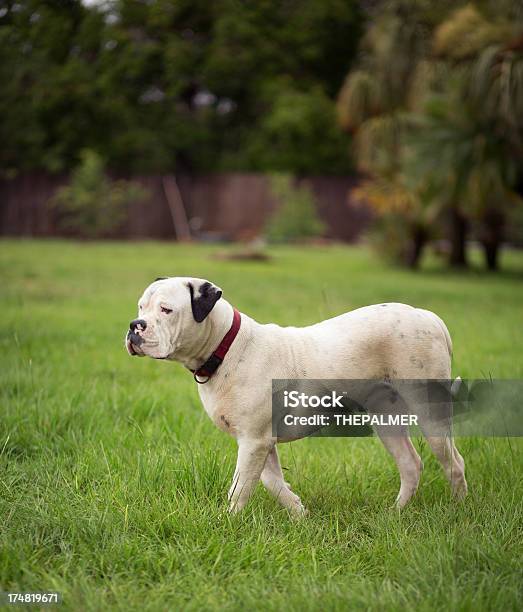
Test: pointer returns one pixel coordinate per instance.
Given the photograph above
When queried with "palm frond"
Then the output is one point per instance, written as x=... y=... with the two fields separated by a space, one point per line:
x=358 y=100
x=496 y=85
x=467 y=32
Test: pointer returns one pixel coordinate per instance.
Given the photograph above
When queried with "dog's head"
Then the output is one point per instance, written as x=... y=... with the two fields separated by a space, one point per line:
x=171 y=312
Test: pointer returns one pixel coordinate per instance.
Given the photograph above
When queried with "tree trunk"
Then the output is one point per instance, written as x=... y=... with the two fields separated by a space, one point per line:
x=491 y=250
x=458 y=235
x=419 y=240
x=493 y=229
x=178 y=213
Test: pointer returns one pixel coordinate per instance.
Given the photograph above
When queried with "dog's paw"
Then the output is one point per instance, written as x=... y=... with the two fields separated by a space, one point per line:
x=459 y=488
x=235 y=507
x=298 y=511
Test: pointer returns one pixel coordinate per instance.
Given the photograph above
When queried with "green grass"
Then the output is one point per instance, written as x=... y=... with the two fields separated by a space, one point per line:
x=113 y=481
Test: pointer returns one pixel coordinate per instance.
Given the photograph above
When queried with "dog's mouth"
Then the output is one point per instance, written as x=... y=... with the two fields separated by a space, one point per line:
x=130 y=348
x=133 y=342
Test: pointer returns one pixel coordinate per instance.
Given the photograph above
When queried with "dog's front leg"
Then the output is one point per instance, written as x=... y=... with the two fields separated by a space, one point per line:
x=272 y=478
x=252 y=455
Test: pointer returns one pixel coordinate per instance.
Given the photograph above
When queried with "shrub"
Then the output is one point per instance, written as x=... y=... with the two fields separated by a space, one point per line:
x=92 y=204
x=296 y=218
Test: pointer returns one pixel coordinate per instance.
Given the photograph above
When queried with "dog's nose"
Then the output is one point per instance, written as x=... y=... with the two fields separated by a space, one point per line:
x=139 y=324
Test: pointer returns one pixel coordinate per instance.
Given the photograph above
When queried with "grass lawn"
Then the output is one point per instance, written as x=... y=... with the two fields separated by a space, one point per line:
x=113 y=480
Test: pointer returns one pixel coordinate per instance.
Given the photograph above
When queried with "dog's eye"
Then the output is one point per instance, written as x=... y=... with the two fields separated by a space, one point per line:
x=166 y=310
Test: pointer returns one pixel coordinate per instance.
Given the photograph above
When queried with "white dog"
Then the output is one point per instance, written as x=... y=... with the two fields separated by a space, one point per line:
x=186 y=320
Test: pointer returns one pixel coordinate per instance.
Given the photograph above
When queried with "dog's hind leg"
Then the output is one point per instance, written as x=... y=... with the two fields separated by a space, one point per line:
x=273 y=481
x=407 y=459
x=435 y=422
x=385 y=399
x=453 y=464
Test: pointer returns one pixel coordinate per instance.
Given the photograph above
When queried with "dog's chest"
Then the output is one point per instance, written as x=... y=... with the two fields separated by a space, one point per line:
x=220 y=413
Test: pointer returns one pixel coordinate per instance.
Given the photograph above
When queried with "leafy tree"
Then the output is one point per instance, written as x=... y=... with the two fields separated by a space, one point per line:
x=299 y=134
x=44 y=104
x=169 y=85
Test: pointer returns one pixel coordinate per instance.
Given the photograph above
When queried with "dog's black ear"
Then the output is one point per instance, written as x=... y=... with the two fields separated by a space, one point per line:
x=203 y=299
x=161 y=278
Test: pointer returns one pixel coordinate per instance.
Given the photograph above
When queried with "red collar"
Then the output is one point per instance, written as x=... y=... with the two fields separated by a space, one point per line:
x=213 y=363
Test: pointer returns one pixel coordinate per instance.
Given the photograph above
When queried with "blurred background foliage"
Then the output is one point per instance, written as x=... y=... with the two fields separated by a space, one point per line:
x=435 y=104
x=423 y=98
x=189 y=84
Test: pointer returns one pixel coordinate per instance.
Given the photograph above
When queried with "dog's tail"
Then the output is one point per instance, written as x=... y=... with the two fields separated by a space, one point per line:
x=459 y=389
x=455 y=386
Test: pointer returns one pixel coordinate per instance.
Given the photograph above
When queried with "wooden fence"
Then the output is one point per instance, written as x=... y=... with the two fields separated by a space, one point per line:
x=217 y=207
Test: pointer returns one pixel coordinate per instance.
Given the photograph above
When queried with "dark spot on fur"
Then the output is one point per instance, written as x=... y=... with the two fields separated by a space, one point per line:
x=161 y=278
x=416 y=362
x=225 y=421
x=402 y=335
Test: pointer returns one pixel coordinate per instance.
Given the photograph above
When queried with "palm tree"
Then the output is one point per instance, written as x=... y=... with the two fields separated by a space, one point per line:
x=497 y=81
x=474 y=169
x=477 y=125
x=373 y=106
x=437 y=117
x=397 y=74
